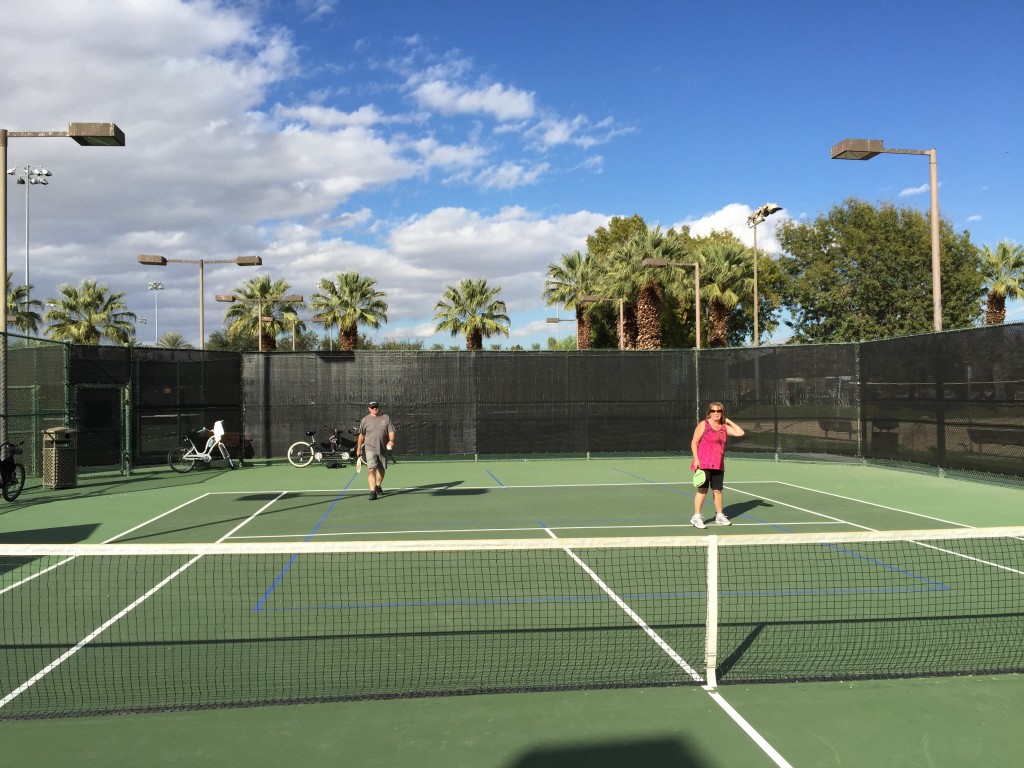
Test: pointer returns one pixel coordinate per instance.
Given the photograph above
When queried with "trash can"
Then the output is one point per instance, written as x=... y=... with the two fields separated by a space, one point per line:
x=60 y=457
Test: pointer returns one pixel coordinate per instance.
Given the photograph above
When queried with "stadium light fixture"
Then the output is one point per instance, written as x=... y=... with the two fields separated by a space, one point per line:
x=696 y=283
x=865 y=149
x=30 y=175
x=557 y=320
x=163 y=261
x=757 y=217
x=88 y=134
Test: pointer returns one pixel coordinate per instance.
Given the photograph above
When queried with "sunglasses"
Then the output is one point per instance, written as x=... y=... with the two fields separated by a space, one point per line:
x=716 y=410
x=374 y=407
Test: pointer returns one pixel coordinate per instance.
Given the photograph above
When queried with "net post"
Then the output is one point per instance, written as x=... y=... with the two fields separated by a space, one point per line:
x=711 y=627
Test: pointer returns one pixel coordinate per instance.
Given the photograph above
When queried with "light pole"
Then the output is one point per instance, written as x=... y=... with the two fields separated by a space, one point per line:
x=156 y=286
x=31 y=174
x=865 y=149
x=557 y=320
x=696 y=283
x=163 y=261
x=293 y=298
x=622 y=319
x=86 y=134
x=753 y=220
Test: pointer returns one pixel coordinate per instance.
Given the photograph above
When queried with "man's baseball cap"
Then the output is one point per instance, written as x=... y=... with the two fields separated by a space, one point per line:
x=373 y=404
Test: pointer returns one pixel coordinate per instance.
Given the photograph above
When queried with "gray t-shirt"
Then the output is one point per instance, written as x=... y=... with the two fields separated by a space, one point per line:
x=375 y=430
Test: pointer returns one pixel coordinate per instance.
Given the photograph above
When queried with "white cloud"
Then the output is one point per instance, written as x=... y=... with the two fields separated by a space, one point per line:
x=976 y=217
x=733 y=218
x=910 y=191
x=498 y=101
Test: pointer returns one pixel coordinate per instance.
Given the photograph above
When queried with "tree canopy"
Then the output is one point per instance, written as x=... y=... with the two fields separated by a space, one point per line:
x=860 y=272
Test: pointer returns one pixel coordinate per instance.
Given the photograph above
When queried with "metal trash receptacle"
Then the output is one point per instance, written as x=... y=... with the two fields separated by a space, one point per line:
x=60 y=457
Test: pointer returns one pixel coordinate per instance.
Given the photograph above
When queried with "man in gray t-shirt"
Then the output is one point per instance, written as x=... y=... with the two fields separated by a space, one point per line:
x=377 y=436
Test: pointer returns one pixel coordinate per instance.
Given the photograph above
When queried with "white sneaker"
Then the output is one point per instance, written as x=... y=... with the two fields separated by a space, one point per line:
x=696 y=522
x=722 y=520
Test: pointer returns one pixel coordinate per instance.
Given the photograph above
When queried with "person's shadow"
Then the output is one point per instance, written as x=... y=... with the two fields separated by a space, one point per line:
x=737 y=510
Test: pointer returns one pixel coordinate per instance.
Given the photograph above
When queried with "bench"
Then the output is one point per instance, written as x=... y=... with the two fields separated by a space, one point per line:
x=995 y=436
x=837 y=425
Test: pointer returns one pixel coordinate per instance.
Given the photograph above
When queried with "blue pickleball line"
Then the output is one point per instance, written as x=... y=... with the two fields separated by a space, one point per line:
x=494 y=477
x=287 y=566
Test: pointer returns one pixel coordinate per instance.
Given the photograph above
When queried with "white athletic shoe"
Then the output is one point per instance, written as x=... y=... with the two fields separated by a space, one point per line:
x=696 y=522
x=722 y=520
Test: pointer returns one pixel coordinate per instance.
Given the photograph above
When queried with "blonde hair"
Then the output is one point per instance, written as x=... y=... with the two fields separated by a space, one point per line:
x=714 y=405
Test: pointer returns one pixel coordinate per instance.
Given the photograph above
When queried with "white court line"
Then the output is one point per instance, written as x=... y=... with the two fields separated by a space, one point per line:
x=747 y=728
x=121 y=614
x=880 y=506
x=868 y=528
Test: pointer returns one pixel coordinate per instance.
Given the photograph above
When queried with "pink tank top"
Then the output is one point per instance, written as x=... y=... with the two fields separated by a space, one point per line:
x=711 y=448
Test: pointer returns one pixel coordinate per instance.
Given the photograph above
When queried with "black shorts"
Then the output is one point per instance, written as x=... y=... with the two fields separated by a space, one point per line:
x=715 y=478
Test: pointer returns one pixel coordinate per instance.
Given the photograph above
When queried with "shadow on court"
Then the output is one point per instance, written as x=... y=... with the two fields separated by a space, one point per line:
x=67 y=534
x=652 y=753
x=733 y=511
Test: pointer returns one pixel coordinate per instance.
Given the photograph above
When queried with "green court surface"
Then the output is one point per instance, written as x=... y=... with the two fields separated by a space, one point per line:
x=929 y=721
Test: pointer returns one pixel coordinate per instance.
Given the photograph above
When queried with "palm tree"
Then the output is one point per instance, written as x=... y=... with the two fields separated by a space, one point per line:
x=725 y=280
x=349 y=301
x=567 y=283
x=472 y=309
x=259 y=298
x=1003 y=272
x=172 y=340
x=21 y=309
x=640 y=286
x=89 y=313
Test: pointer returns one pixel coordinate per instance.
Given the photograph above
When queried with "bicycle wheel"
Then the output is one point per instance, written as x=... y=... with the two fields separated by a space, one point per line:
x=300 y=454
x=17 y=482
x=177 y=461
x=227 y=456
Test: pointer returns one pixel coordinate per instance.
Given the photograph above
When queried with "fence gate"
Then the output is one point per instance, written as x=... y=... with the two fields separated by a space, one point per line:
x=101 y=419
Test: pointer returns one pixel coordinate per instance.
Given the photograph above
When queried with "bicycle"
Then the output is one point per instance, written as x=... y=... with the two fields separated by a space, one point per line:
x=302 y=453
x=184 y=457
x=12 y=474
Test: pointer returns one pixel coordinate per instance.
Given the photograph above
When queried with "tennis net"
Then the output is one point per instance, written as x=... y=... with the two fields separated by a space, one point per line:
x=117 y=628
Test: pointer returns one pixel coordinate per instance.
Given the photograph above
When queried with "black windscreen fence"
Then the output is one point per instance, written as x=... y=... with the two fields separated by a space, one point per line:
x=954 y=400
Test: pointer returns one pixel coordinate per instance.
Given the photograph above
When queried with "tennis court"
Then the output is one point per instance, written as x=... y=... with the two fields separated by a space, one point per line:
x=563 y=619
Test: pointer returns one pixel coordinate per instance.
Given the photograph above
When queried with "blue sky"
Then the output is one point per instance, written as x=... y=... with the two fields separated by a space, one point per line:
x=422 y=142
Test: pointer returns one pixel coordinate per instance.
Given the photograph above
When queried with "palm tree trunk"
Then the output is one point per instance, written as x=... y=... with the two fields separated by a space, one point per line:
x=474 y=340
x=718 y=325
x=995 y=309
x=348 y=339
x=583 y=330
x=648 y=317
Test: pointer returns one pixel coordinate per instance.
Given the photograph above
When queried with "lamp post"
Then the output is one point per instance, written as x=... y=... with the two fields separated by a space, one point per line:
x=865 y=149
x=162 y=261
x=155 y=287
x=753 y=220
x=292 y=298
x=31 y=174
x=622 y=321
x=557 y=320
x=85 y=134
x=696 y=283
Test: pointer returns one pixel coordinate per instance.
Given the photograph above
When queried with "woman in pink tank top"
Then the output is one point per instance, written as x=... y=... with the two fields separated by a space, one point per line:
x=708 y=448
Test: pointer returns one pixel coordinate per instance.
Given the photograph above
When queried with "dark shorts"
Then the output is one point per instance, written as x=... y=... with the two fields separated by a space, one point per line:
x=715 y=478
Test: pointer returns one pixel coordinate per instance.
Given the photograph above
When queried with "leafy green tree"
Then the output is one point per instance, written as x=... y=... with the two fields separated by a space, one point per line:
x=88 y=313
x=347 y=302
x=21 y=309
x=472 y=309
x=1003 y=272
x=860 y=273
x=172 y=340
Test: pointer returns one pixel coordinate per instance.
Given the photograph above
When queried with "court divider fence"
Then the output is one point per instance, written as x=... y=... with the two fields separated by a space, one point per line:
x=950 y=402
